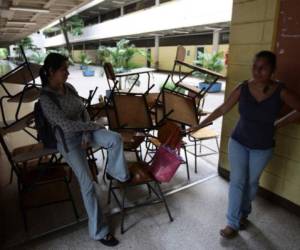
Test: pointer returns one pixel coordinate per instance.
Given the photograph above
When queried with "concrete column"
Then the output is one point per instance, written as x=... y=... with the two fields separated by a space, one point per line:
x=216 y=40
x=157 y=2
x=122 y=11
x=156 y=52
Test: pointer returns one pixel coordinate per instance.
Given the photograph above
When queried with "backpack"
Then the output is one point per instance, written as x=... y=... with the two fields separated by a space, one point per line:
x=45 y=132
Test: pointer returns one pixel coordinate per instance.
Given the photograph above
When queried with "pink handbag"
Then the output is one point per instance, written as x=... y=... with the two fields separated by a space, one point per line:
x=165 y=163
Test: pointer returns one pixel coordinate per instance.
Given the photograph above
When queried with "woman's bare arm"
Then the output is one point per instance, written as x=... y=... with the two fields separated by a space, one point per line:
x=223 y=109
x=292 y=101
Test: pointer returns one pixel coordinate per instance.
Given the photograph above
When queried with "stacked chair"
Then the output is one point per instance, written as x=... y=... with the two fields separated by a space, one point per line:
x=38 y=169
x=130 y=112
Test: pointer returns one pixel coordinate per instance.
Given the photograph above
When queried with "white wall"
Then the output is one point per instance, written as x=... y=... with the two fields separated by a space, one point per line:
x=168 y=16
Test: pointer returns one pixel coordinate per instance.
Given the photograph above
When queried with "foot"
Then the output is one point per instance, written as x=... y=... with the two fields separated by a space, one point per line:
x=244 y=223
x=109 y=240
x=228 y=232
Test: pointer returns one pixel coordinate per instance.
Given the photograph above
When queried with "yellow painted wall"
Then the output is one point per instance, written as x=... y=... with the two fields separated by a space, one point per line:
x=253 y=29
x=167 y=54
x=92 y=54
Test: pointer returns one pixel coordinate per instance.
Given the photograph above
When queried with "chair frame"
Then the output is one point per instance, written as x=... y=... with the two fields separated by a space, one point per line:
x=22 y=189
x=125 y=186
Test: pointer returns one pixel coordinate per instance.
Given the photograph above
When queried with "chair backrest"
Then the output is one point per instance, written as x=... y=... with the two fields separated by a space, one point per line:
x=180 y=54
x=7 y=149
x=109 y=71
x=183 y=108
x=170 y=134
x=132 y=111
x=110 y=75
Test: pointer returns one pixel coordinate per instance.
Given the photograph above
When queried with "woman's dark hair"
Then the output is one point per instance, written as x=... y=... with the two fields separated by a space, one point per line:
x=269 y=56
x=53 y=61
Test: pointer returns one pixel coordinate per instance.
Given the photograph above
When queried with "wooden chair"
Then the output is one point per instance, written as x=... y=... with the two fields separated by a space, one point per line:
x=38 y=170
x=169 y=134
x=183 y=109
x=140 y=176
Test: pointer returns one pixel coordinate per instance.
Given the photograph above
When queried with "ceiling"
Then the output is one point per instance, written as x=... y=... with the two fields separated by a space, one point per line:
x=17 y=23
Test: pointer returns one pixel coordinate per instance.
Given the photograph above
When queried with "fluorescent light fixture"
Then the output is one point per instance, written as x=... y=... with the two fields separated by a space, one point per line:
x=212 y=28
x=81 y=9
x=155 y=34
x=28 y=9
x=21 y=22
x=118 y=2
x=103 y=8
x=180 y=31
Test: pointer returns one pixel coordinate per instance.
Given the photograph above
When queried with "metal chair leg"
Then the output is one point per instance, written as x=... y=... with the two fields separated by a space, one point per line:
x=71 y=199
x=109 y=192
x=164 y=201
x=217 y=144
x=195 y=152
x=186 y=163
x=123 y=210
x=104 y=171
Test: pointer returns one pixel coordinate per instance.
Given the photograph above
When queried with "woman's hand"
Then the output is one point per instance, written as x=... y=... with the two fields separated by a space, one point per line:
x=291 y=117
x=86 y=140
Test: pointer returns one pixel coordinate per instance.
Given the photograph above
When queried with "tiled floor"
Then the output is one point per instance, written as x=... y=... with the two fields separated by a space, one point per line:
x=44 y=219
x=199 y=213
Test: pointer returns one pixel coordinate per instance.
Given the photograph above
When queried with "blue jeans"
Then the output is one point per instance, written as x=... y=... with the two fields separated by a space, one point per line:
x=116 y=167
x=246 y=166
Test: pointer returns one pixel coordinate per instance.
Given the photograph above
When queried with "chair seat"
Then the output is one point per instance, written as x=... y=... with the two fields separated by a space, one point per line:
x=132 y=139
x=29 y=95
x=204 y=133
x=19 y=124
x=151 y=99
x=189 y=87
x=157 y=143
x=203 y=112
x=45 y=174
x=30 y=152
x=139 y=172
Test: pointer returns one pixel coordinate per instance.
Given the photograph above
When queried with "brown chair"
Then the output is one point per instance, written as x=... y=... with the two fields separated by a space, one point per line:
x=113 y=83
x=140 y=176
x=190 y=69
x=183 y=109
x=38 y=171
x=169 y=134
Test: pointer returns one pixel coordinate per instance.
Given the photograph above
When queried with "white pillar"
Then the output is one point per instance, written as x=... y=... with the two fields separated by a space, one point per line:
x=157 y=2
x=122 y=11
x=156 y=52
x=216 y=39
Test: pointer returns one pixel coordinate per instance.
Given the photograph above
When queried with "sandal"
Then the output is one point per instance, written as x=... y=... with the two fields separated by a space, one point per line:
x=109 y=240
x=228 y=232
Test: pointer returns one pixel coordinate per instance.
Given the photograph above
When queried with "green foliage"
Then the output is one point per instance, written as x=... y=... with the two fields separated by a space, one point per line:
x=75 y=25
x=103 y=54
x=84 y=59
x=26 y=43
x=211 y=61
x=3 y=53
x=38 y=57
x=171 y=86
x=50 y=30
x=120 y=55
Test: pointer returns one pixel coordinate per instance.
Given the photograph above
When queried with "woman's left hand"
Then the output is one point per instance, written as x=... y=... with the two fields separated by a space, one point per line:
x=86 y=139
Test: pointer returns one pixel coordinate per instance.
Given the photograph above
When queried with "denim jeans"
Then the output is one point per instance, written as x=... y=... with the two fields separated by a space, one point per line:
x=246 y=166
x=116 y=167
